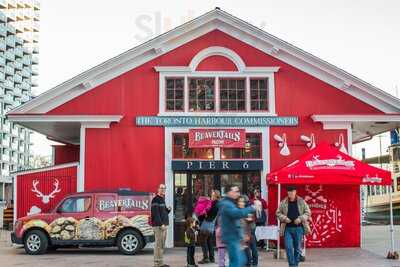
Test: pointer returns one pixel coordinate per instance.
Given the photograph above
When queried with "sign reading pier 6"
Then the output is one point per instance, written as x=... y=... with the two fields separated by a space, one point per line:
x=216 y=121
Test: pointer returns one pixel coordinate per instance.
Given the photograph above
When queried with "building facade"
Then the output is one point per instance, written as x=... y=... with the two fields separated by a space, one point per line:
x=19 y=48
x=213 y=102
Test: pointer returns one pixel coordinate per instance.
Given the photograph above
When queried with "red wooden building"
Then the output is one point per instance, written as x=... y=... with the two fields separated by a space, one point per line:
x=213 y=101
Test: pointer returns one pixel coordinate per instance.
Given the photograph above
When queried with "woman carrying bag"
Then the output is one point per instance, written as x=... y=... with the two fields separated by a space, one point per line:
x=207 y=229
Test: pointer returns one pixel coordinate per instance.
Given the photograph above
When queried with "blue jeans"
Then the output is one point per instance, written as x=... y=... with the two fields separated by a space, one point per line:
x=293 y=239
x=251 y=252
x=236 y=255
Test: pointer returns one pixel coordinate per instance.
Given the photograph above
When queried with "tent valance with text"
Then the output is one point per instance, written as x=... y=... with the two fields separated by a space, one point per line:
x=325 y=164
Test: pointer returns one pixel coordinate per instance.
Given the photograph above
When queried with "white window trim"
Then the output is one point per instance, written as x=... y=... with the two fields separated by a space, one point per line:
x=243 y=71
x=169 y=174
x=247 y=75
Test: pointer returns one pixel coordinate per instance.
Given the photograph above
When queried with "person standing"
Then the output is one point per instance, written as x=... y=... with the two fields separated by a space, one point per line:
x=159 y=221
x=231 y=232
x=190 y=241
x=249 y=227
x=293 y=213
x=261 y=216
x=207 y=233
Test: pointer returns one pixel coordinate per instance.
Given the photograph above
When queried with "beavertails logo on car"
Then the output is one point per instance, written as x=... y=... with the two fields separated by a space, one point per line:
x=339 y=163
x=217 y=138
x=128 y=203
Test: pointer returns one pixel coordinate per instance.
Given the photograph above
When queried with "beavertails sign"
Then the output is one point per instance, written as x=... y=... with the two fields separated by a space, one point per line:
x=217 y=138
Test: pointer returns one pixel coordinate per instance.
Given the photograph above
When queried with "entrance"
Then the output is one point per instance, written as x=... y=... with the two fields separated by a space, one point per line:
x=189 y=186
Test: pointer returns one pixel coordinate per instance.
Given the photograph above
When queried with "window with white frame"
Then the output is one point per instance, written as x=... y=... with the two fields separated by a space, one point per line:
x=192 y=93
x=232 y=94
x=201 y=94
x=174 y=96
x=259 y=94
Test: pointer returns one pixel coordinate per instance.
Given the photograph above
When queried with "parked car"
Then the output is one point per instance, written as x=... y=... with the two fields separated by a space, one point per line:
x=104 y=219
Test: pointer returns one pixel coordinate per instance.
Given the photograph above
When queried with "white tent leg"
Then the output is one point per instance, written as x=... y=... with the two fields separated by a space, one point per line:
x=391 y=219
x=278 y=243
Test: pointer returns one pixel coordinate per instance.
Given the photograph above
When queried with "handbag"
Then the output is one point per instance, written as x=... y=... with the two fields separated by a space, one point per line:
x=207 y=226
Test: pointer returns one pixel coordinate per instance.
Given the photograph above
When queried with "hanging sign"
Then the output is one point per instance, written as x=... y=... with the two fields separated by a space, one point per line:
x=199 y=138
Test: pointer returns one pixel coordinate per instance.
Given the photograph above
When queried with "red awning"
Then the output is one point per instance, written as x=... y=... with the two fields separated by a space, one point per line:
x=325 y=164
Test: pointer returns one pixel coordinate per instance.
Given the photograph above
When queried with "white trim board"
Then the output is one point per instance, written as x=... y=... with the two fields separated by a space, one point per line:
x=169 y=174
x=50 y=168
x=213 y=20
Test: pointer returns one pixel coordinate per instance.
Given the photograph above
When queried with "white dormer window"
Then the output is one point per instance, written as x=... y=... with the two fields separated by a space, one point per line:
x=187 y=91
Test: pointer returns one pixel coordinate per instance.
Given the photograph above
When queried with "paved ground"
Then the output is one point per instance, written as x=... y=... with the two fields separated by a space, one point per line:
x=373 y=256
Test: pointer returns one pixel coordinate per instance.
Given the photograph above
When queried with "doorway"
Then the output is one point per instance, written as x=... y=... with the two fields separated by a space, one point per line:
x=189 y=186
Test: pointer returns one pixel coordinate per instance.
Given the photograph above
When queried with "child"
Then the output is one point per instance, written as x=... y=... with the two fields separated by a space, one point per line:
x=190 y=240
x=220 y=245
x=249 y=242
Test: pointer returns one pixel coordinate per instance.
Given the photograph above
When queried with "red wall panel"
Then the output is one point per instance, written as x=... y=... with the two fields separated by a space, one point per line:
x=65 y=154
x=334 y=222
x=26 y=198
x=125 y=155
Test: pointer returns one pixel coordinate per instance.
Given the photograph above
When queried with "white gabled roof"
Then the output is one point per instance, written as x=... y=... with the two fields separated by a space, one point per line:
x=213 y=20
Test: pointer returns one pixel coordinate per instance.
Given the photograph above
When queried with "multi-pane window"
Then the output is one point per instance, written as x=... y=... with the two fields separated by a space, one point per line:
x=181 y=149
x=232 y=94
x=252 y=149
x=201 y=94
x=175 y=94
x=259 y=94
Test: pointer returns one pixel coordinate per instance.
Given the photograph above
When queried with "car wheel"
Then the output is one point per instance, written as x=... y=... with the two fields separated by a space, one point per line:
x=129 y=242
x=35 y=242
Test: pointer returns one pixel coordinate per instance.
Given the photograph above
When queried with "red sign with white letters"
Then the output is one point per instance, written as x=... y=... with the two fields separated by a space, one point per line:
x=199 y=138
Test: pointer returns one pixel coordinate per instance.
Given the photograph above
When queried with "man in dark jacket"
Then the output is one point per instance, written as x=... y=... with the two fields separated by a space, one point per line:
x=160 y=221
x=231 y=232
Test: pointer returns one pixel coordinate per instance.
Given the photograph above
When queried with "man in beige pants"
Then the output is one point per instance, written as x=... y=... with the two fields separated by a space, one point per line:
x=160 y=221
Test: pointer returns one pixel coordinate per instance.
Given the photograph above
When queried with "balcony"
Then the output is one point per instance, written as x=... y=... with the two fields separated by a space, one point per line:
x=36 y=15
x=9 y=70
x=25 y=86
x=12 y=3
x=25 y=73
x=18 y=65
x=11 y=16
x=8 y=99
x=19 y=41
x=10 y=29
x=35 y=70
x=21 y=4
x=35 y=26
x=35 y=50
x=35 y=37
x=3 y=30
x=18 y=51
x=25 y=98
x=2 y=76
x=3 y=4
x=17 y=78
x=34 y=82
x=3 y=17
x=2 y=60
x=26 y=60
x=2 y=45
x=35 y=59
x=10 y=41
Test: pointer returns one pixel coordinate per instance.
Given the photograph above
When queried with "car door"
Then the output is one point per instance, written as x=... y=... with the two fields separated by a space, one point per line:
x=72 y=214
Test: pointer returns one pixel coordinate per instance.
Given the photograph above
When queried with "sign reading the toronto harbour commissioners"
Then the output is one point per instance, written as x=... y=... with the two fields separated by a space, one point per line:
x=215 y=121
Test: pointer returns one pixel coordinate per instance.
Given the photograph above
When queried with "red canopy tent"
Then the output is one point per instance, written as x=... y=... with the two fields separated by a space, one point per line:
x=326 y=165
